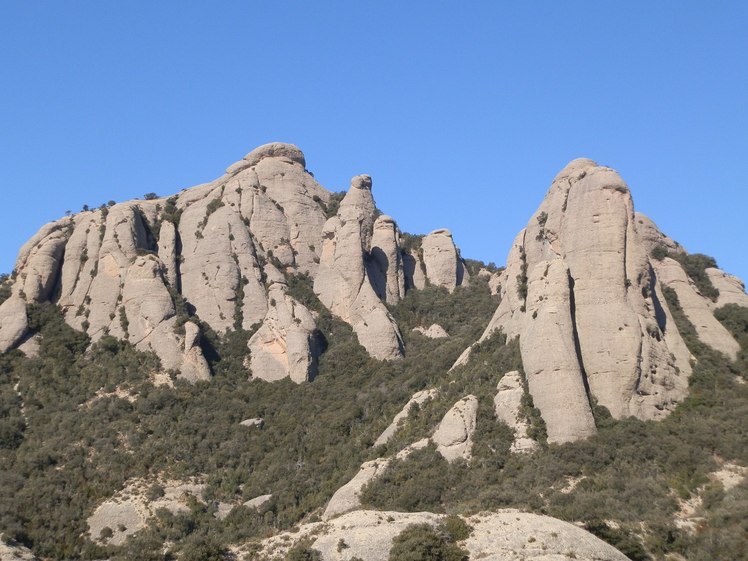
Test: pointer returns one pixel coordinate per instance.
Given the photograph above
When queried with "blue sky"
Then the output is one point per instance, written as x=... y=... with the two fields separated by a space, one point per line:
x=461 y=112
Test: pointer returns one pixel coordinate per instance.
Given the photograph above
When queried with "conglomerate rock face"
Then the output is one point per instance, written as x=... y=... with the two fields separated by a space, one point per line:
x=222 y=252
x=583 y=296
x=342 y=282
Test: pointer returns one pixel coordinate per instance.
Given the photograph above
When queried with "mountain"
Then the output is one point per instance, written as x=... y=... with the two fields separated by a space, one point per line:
x=215 y=367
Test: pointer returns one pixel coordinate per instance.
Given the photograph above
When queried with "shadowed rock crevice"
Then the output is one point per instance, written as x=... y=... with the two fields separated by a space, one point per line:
x=575 y=338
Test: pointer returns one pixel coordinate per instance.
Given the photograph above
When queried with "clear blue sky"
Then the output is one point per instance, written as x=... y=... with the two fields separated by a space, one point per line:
x=461 y=112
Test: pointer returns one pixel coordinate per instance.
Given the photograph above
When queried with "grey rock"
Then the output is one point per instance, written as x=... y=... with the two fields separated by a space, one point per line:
x=435 y=331
x=582 y=296
x=503 y=535
x=731 y=288
x=286 y=343
x=342 y=283
x=257 y=502
x=508 y=409
x=697 y=308
x=419 y=398
x=385 y=266
x=442 y=260
x=454 y=435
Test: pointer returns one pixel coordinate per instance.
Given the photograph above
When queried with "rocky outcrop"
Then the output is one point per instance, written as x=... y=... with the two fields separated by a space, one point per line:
x=493 y=279
x=257 y=502
x=454 y=435
x=581 y=294
x=507 y=534
x=444 y=266
x=286 y=343
x=221 y=251
x=418 y=399
x=508 y=409
x=731 y=288
x=347 y=497
x=15 y=552
x=128 y=511
x=698 y=310
x=342 y=283
x=385 y=265
x=435 y=331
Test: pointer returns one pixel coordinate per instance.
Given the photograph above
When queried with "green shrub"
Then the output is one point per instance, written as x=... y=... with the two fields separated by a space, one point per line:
x=303 y=551
x=421 y=542
x=454 y=528
x=695 y=265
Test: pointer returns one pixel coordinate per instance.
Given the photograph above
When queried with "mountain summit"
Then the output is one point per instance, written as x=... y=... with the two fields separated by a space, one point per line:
x=152 y=271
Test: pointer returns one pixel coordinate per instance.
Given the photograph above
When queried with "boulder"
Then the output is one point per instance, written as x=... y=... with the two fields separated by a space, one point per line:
x=454 y=435
x=508 y=409
x=347 y=497
x=257 y=502
x=435 y=331
x=442 y=260
x=385 y=266
x=419 y=398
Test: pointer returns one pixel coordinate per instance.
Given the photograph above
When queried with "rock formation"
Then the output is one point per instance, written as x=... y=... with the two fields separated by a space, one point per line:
x=454 y=435
x=698 y=310
x=504 y=535
x=286 y=343
x=347 y=497
x=15 y=552
x=731 y=288
x=435 y=331
x=442 y=261
x=583 y=296
x=419 y=398
x=385 y=263
x=342 y=282
x=508 y=409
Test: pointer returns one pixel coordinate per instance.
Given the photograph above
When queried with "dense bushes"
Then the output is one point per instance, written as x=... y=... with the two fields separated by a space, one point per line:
x=421 y=542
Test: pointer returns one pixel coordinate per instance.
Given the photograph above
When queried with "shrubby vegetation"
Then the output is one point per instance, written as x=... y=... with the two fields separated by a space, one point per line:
x=422 y=542
x=695 y=265
x=5 y=290
x=64 y=449
x=631 y=472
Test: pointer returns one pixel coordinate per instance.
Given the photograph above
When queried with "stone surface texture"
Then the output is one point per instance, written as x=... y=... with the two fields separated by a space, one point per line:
x=584 y=298
x=496 y=536
x=419 y=398
x=454 y=435
x=444 y=266
x=286 y=343
x=342 y=282
x=508 y=409
x=434 y=331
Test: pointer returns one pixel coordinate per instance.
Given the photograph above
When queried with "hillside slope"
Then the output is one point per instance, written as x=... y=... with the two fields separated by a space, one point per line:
x=213 y=368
